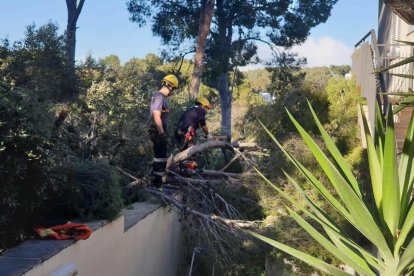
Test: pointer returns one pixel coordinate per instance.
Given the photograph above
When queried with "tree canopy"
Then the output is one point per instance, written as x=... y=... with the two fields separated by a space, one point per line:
x=236 y=28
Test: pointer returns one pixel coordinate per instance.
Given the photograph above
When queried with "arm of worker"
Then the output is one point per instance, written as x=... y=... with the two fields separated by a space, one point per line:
x=156 y=115
x=205 y=129
x=202 y=118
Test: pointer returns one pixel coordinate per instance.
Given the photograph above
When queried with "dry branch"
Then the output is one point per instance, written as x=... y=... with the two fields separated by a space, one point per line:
x=210 y=220
x=136 y=181
x=236 y=157
x=220 y=173
x=237 y=224
x=174 y=160
x=179 y=179
x=245 y=145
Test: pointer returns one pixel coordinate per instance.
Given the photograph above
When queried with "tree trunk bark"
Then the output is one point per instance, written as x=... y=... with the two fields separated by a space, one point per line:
x=206 y=15
x=225 y=103
x=74 y=9
x=225 y=31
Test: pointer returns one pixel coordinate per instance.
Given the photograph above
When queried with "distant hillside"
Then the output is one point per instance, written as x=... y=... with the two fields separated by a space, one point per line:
x=259 y=79
x=316 y=74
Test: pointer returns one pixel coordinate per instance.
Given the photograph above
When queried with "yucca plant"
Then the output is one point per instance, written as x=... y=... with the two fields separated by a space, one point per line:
x=386 y=221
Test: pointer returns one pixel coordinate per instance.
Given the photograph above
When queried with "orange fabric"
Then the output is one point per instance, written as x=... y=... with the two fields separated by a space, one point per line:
x=68 y=231
x=190 y=134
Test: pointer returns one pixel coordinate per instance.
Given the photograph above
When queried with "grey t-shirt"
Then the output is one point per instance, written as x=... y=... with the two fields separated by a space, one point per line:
x=160 y=102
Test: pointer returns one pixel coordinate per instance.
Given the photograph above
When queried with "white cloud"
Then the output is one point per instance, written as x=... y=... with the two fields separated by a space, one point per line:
x=323 y=51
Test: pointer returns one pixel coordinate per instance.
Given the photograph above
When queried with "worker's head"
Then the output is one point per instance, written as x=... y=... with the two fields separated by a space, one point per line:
x=203 y=102
x=170 y=81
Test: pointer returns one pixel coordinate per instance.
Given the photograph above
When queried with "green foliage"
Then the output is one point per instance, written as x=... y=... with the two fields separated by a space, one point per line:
x=339 y=70
x=343 y=98
x=286 y=76
x=318 y=77
x=43 y=139
x=36 y=63
x=388 y=225
x=26 y=169
x=115 y=113
x=292 y=87
x=275 y=117
x=324 y=96
x=93 y=192
x=290 y=21
x=111 y=62
x=236 y=28
x=257 y=80
x=30 y=82
x=54 y=147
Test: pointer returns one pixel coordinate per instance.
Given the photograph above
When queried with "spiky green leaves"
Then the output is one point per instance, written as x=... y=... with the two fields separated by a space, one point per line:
x=388 y=224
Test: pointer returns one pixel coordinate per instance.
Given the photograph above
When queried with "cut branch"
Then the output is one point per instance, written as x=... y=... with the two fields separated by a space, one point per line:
x=237 y=224
x=179 y=179
x=207 y=215
x=173 y=161
x=220 y=173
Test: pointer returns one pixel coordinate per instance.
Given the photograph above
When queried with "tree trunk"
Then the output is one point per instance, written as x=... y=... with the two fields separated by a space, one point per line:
x=225 y=18
x=225 y=103
x=206 y=16
x=74 y=9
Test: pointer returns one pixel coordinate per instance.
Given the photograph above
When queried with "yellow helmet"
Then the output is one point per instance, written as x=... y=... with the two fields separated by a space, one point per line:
x=204 y=102
x=171 y=80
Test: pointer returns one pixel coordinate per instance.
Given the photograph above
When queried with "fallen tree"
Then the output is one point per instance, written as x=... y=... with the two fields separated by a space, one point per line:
x=204 y=201
x=240 y=151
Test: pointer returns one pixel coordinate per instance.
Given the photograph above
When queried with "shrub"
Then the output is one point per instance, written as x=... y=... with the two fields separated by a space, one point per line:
x=27 y=162
x=93 y=192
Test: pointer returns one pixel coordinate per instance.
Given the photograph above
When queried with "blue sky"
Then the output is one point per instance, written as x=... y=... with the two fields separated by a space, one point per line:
x=104 y=29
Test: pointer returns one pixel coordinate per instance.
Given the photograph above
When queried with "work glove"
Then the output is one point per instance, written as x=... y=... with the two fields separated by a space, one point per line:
x=209 y=136
x=162 y=138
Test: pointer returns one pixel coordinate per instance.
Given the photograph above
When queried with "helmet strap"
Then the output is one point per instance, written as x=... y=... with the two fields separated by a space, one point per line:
x=169 y=87
x=166 y=84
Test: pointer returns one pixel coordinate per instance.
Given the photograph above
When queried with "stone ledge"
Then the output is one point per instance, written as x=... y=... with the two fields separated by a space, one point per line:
x=137 y=212
x=39 y=249
x=12 y=266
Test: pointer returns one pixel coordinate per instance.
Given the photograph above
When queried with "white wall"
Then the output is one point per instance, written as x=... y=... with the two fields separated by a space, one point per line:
x=151 y=247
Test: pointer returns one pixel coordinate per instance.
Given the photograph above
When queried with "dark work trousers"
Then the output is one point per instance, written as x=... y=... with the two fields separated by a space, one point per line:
x=160 y=161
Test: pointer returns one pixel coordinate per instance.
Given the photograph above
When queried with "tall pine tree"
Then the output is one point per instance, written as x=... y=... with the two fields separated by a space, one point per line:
x=74 y=8
x=236 y=27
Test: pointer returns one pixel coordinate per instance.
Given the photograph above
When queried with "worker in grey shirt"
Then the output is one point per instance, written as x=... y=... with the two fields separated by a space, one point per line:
x=159 y=114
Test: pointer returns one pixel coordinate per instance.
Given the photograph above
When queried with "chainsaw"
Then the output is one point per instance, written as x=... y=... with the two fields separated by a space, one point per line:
x=189 y=167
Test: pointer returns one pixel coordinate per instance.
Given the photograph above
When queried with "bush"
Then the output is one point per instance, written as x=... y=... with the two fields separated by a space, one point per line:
x=28 y=162
x=93 y=192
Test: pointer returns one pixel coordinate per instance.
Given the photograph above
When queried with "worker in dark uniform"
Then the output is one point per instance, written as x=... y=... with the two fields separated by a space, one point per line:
x=192 y=119
x=159 y=113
